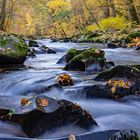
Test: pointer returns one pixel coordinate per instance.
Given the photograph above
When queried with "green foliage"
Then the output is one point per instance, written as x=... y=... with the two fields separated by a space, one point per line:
x=11 y=113
x=131 y=36
x=111 y=23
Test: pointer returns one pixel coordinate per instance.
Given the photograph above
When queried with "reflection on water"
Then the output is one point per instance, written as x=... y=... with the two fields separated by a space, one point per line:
x=109 y=114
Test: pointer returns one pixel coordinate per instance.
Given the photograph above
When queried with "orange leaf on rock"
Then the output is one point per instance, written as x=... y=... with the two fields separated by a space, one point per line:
x=25 y=101
x=113 y=90
x=43 y=102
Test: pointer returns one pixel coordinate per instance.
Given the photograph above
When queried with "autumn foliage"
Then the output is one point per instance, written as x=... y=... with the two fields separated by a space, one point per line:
x=67 y=18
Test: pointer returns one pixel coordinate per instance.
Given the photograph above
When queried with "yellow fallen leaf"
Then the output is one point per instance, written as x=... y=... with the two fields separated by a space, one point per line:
x=72 y=137
x=113 y=90
x=25 y=102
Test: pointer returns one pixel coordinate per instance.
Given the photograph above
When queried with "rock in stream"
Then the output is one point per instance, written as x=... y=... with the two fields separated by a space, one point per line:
x=36 y=115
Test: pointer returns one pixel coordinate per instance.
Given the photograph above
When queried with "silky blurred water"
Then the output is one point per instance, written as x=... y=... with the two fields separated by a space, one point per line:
x=41 y=72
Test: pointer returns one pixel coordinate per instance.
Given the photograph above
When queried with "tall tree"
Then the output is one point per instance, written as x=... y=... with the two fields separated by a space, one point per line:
x=132 y=11
x=112 y=7
x=3 y=15
x=105 y=7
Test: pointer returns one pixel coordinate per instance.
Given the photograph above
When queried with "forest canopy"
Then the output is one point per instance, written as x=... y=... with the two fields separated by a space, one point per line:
x=66 y=18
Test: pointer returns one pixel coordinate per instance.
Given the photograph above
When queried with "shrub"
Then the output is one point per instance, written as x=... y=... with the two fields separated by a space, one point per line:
x=111 y=23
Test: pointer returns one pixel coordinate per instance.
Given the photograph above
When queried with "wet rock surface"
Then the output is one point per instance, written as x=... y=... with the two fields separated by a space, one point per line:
x=13 y=50
x=129 y=72
x=47 y=106
x=33 y=43
x=125 y=135
x=104 y=91
x=37 y=117
x=121 y=81
x=84 y=60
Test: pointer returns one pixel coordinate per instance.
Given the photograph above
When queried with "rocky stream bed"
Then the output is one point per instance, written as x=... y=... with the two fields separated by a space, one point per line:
x=90 y=108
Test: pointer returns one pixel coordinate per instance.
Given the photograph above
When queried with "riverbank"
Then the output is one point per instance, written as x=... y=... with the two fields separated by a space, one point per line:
x=120 y=38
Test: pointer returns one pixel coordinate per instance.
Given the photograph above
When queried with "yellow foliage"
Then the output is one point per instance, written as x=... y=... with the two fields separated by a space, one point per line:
x=91 y=28
x=58 y=5
x=111 y=23
x=114 y=23
x=135 y=42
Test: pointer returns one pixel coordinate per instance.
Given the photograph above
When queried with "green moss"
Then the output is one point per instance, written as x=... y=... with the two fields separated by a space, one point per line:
x=15 y=46
x=88 y=54
x=72 y=53
x=131 y=36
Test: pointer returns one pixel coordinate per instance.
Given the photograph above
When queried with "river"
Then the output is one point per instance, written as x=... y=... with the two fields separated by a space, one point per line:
x=43 y=70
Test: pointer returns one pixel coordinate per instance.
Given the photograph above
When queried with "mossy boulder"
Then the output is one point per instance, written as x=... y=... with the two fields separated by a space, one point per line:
x=13 y=50
x=83 y=60
x=36 y=115
x=129 y=72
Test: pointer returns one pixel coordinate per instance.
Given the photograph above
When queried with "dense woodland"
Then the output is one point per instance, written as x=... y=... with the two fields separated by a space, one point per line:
x=66 y=18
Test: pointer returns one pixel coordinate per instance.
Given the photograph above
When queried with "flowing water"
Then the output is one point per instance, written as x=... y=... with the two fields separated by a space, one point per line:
x=40 y=72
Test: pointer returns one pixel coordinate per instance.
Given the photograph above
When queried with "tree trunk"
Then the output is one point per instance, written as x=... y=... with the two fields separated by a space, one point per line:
x=106 y=9
x=132 y=11
x=3 y=15
x=112 y=7
x=91 y=14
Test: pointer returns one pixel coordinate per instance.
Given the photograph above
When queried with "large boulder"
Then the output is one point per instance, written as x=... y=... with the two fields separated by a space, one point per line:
x=13 y=50
x=129 y=72
x=85 y=60
x=120 y=81
x=36 y=115
x=114 y=89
